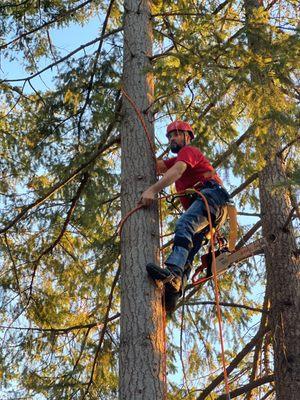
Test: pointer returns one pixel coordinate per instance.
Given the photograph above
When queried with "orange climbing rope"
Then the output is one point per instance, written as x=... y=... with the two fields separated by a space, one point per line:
x=121 y=225
x=141 y=120
x=217 y=295
x=214 y=269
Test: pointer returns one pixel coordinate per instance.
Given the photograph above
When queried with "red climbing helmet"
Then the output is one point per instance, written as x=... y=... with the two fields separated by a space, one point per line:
x=180 y=126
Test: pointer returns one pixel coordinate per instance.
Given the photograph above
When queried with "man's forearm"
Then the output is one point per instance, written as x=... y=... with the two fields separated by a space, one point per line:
x=169 y=177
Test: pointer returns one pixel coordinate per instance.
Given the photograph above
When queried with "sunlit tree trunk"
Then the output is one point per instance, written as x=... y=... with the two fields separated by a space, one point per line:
x=142 y=336
x=282 y=263
x=283 y=280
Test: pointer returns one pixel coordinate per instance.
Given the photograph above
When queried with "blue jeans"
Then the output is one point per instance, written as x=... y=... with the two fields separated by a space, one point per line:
x=189 y=227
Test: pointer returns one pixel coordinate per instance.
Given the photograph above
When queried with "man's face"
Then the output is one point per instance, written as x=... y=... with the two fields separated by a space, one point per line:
x=177 y=140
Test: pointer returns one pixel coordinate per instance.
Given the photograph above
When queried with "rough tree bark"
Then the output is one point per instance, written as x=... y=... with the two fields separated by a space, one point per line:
x=142 y=335
x=283 y=280
x=282 y=262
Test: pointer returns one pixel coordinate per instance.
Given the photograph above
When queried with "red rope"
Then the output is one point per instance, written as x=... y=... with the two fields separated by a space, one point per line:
x=164 y=321
x=121 y=225
x=138 y=112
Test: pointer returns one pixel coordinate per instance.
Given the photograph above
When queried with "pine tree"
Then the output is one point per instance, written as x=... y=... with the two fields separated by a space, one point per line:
x=282 y=265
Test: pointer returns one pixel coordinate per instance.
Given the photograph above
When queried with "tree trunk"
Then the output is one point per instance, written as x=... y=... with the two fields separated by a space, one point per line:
x=142 y=329
x=282 y=264
x=283 y=281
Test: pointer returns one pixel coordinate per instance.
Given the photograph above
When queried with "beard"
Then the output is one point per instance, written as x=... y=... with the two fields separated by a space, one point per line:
x=175 y=148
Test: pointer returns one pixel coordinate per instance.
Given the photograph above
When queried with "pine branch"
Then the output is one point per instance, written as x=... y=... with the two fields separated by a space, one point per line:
x=101 y=148
x=103 y=330
x=225 y=304
x=216 y=99
x=269 y=6
x=15 y=270
x=63 y=230
x=268 y=394
x=249 y=386
x=83 y=46
x=258 y=346
x=191 y=14
x=249 y=214
x=288 y=145
x=82 y=347
x=234 y=145
x=178 y=13
x=288 y=220
x=234 y=363
x=14 y=5
x=220 y=7
x=91 y=81
x=243 y=186
x=60 y=330
x=58 y=18
x=248 y=235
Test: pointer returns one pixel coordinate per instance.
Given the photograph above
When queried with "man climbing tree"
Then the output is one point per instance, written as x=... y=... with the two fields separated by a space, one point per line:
x=189 y=169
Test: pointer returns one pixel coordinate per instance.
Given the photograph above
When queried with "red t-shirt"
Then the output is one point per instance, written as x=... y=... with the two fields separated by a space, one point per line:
x=197 y=164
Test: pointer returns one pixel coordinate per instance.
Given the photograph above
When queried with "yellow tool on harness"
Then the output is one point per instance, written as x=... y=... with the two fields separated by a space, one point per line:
x=227 y=212
x=232 y=216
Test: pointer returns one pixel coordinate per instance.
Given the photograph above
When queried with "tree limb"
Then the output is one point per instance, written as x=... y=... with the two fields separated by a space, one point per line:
x=225 y=304
x=59 y=17
x=64 y=58
x=288 y=145
x=258 y=346
x=101 y=148
x=60 y=330
x=246 y=388
x=234 y=363
x=63 y=230
x=234 y=145
x=247 y=182
x=103 y=330
x=248 y=235
x=91 y=81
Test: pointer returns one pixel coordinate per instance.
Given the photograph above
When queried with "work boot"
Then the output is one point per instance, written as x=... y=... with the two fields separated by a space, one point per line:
x=170 y=276
x=170 y=301
x=171 y=298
